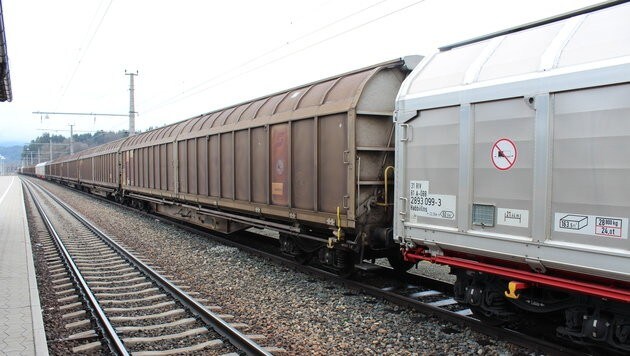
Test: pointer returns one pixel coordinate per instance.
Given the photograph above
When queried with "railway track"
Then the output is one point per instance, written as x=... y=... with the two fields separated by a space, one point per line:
x=434 y=297
x=112 y=302
x=421 y=293
x=424 y=294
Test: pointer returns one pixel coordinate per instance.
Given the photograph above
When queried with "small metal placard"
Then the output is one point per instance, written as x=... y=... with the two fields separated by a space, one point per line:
x=483 y=215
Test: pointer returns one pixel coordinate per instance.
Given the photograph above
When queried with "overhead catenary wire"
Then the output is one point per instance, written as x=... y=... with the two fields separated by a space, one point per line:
x=183 y=96
x=84 y=51
x=287 y=43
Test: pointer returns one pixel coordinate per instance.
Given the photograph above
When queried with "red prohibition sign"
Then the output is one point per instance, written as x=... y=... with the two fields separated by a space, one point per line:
x=503 y=154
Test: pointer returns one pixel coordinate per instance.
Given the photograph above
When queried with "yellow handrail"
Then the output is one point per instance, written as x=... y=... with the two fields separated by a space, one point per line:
x=386 y=186
x=338 y=223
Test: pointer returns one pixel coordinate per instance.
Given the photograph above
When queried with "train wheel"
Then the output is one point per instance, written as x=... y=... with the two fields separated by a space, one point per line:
x=397 y=262
x=338 y=261
x=289 y=247
x=344 y=262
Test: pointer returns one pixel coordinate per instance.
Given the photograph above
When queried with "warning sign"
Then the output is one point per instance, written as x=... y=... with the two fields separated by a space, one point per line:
x=600 y=226
x=503 y=154
x=423 y=204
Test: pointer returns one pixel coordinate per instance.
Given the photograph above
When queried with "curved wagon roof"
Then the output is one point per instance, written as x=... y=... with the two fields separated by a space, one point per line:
x=593 y=42
x=162 y=135
x=110 y=147
x=67 y=158
x=328 y=96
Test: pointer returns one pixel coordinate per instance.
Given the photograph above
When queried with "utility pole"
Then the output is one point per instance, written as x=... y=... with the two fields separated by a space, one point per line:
x=47 y=113
x=132 y=109
x=71 y=140
x=50 y=145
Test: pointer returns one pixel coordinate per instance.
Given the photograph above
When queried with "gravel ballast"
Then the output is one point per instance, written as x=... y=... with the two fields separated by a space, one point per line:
x=297 y=312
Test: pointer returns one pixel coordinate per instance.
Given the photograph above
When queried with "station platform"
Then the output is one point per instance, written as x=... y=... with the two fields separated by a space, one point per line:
x=21 y=323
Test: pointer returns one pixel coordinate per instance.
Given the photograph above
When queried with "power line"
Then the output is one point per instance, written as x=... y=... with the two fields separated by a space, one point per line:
x=183 y=96
x=287 y=55
x=66 y=130
x=287 y=44
x=84 y=52
x=75 y=113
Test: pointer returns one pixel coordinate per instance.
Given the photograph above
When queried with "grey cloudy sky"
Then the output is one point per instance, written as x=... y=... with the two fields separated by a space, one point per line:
x=198 y=56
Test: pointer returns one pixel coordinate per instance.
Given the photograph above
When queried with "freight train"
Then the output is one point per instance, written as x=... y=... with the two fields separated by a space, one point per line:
x=313 y=163
x=504 y=157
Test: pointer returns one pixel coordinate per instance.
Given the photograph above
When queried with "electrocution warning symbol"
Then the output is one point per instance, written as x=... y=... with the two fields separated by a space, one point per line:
x=503 y=154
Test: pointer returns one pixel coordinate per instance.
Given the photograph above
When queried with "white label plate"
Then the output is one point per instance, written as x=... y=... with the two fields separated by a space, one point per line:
x=424 y=204
x=593 y=225
x=513 y=217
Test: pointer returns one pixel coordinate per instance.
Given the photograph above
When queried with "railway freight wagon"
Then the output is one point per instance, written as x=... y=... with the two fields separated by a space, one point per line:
x=513 y=167
x=99 y=168
x=65 y=169
x=27 y=170
x=311 y=162
x=40 y=170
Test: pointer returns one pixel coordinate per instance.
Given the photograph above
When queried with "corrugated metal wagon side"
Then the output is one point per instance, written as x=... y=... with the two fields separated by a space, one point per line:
x=513 y=163
x=148 y=162
x=65 y=169
x=27 y=170
x=310 y=161
x=99 y=167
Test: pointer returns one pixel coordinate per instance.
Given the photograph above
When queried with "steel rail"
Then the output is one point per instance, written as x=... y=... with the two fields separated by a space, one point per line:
x=504 y=334
x=114 y=343
x=234 y=336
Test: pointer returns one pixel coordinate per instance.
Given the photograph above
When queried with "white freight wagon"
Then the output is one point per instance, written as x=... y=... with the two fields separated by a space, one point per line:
x=513 y=167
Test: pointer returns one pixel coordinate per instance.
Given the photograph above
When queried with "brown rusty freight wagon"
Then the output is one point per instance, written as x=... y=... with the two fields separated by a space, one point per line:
x=310 y=162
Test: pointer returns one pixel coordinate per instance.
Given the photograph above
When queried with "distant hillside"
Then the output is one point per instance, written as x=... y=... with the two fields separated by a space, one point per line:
x=11 y=143
x=11 y=153
x=46 y=146
x=11 y=159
